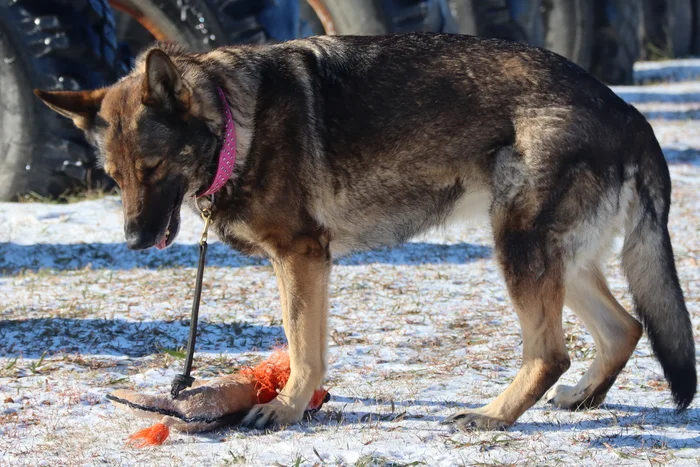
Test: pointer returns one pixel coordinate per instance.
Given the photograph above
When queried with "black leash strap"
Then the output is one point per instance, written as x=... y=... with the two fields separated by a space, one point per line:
x=184 y=380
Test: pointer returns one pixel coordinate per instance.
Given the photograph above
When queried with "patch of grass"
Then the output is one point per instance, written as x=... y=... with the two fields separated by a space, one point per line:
x=177 y=353
x=11 y=364
x=377 y=461
x=68 y=197
x=116 y=381
x=34 y=366
x=234 y=459
x=296 y=462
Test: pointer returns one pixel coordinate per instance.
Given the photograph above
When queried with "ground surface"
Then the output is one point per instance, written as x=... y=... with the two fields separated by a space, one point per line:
x=417 y=333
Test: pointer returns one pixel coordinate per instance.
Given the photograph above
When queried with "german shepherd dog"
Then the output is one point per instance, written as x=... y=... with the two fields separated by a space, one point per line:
x=354 y=143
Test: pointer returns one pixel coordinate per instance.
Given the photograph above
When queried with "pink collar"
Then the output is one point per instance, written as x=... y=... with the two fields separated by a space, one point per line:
x=227 y=156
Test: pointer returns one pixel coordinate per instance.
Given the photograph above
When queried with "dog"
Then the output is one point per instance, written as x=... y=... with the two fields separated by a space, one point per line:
x=353 y=143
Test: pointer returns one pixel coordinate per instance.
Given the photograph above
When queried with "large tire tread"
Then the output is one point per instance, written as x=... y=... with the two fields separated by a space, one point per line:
x=63 y=44
x=569 y=29
x=617 y=42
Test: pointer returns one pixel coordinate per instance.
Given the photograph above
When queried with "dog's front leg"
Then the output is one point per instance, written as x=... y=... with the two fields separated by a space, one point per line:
x=303 y=282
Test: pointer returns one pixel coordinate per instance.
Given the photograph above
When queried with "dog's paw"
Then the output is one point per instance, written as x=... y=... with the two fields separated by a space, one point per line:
x=470 y=420
x=572 y=398
x=272 y=414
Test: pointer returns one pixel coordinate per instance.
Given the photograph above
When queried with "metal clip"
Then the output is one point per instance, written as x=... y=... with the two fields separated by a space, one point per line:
x=206 y=217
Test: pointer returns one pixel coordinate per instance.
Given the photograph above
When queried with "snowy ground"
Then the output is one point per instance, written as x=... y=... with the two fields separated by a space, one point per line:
x=417 y=333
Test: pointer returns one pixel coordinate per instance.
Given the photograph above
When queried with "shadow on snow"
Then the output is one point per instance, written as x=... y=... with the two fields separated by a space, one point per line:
x=66 y=257
x=30 y=338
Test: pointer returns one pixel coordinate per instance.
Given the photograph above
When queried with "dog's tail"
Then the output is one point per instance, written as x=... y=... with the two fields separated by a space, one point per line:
x=647 y=259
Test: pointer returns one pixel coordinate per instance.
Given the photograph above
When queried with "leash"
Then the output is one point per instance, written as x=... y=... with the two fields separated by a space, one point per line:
x=184 y=380
x=227 y=162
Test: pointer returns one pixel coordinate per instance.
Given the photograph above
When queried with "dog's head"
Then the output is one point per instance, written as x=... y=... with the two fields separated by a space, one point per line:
x=156 y=136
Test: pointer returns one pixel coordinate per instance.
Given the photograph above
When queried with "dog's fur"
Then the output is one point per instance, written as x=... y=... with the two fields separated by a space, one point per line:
x=350 y=143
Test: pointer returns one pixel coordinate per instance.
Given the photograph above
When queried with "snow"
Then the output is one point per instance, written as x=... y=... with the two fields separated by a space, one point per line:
x=416 y=333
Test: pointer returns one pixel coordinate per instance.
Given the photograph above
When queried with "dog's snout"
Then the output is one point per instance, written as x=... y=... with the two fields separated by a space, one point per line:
x=138 y=238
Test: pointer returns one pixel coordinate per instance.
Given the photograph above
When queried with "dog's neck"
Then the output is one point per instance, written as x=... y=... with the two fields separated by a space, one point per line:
x=240 y=89
x=242 y=106
x=227 y=152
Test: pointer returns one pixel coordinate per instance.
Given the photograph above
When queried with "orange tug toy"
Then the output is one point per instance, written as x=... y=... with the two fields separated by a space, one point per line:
x=210 y=404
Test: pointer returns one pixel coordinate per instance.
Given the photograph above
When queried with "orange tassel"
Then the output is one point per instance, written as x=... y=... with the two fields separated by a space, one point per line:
x=270 y=376
x=152 y=436
x=317 y=399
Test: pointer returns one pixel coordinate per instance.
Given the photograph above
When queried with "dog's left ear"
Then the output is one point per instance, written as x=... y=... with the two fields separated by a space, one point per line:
x=163 y=86
x=81 y=106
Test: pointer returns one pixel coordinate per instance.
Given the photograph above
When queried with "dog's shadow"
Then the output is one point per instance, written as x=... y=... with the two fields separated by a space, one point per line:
x=34 y=337
x=608 y=416
x=335 y=415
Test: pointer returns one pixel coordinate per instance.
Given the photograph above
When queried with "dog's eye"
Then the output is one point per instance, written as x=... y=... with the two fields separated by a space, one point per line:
x=151 y=170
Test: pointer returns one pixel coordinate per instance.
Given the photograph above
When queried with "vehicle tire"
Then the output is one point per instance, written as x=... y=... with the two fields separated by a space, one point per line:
x=458 y=16
x=682 y=27
x=450 y=16
x=617 y=43
x=359 y=17
x=202 y=25
x=63 y=44
x=191 y=23
x=695 y=43
x=568 y=28
x=529 y=15
x=494 y=19
x=667 y=28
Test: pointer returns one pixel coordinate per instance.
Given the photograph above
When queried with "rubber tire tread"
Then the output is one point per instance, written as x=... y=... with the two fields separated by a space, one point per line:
x=666 y=30
x=63 y=44
x=569 y=29
x=617 y=42
x=494 y=19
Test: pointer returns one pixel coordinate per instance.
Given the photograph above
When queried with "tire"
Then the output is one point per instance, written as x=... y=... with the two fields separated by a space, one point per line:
x=569 y=29
x=202 y=25
x=191 y=23
x=528 y=15
x=449 y=16
x=616 y=43
x=358 y=17
x=667 y=28
x=494 y=19
x=682 y=28
x=63 y=44
x=412 y=15
x=695 y=42
x=458 y=16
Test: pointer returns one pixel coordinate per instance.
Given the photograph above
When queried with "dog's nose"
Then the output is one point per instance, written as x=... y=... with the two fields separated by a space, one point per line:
x=138 y=238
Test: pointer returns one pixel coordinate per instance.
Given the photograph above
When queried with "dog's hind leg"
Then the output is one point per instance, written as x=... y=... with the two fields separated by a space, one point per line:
x=614 y=331
x=533 y=267
x=537 y=292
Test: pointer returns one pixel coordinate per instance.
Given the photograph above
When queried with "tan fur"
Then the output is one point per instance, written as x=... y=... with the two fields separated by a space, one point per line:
x=303 y=270
x=615 y=334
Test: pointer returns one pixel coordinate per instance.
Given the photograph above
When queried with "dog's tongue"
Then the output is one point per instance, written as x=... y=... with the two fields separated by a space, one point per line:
x=162 y=244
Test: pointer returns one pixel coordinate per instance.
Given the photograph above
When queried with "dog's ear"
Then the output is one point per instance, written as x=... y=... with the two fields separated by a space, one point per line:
x=81 y=106
x=163 y=86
